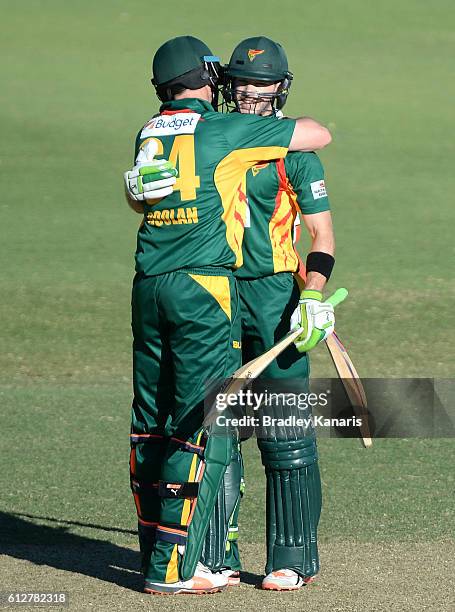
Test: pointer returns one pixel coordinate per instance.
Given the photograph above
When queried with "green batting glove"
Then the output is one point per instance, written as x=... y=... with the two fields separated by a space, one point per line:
x=315 y=317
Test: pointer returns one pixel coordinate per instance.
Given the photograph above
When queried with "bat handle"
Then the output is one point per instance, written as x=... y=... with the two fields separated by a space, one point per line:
x=339 y=296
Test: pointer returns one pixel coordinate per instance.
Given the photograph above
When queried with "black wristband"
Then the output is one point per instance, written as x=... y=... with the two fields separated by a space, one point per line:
x=317 y=261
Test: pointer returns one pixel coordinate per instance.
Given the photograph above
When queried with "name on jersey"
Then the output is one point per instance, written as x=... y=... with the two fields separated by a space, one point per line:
x=318 y=190
x=172 y=216
x=165 y=125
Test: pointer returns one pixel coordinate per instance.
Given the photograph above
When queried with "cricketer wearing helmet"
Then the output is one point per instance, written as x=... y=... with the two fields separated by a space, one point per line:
x=257 y=82
x=185 y=310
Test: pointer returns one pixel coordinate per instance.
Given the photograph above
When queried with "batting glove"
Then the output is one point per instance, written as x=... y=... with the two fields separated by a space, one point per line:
x=317 y=319
x=150 y=180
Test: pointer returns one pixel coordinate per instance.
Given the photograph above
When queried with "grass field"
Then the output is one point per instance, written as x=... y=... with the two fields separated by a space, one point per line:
x=74 y=92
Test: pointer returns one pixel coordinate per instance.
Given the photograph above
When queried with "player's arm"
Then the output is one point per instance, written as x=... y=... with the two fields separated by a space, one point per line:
x=264 y=138
x=314 y=314
x=319 y=227
x=306 y=175
x=309 y=135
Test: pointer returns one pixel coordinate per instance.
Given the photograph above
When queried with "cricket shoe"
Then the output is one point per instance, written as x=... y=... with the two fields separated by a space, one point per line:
x=233 y=576
x=284 y=580
x=203 y=581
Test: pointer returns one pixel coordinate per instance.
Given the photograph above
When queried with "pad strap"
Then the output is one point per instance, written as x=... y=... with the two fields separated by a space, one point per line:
x=198 y=449
x=188 y=490
x=139 y=438
x=170 y=532
x=138 y=486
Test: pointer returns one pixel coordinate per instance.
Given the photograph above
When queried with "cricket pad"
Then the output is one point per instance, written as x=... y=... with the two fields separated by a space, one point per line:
x=222 y=532
x=293 y=502
x=217 y=456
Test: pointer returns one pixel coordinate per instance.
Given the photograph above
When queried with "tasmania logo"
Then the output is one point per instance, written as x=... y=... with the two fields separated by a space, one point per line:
x=257 y=168
x=252 y=53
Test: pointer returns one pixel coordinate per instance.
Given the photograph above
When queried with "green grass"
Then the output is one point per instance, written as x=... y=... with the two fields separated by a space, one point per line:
x=67 y=448
x=77 y=91
x=74 y=92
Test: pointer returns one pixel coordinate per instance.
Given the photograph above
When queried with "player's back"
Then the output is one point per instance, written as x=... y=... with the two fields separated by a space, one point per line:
x=201 y=223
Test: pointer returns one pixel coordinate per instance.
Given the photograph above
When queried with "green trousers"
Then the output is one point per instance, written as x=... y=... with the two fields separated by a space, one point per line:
x=289 y=457
x=186 y=331
x=267 y=305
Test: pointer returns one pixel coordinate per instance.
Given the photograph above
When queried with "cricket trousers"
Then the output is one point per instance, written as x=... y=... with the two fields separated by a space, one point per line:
x=186 y=331
x=289 y=455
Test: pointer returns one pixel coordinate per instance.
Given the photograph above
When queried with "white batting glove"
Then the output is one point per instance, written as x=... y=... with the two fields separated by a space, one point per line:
x=150 y=178
x=317 y=318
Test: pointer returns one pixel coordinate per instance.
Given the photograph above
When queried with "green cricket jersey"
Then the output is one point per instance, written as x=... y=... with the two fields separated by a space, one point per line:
x=202 y=222
x=276 y=192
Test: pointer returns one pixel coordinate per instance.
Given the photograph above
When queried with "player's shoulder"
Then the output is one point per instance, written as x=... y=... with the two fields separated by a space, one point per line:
x=141 y=133
x=242 y=119
x=302 y=161
x=303 y=157
x=221 y=119
x=254 y=130
x=234 y=128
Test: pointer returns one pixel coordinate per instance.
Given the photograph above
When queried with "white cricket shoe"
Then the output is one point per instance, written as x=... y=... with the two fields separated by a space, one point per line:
x=203 y=581
x=233 y=576
x=284 y=580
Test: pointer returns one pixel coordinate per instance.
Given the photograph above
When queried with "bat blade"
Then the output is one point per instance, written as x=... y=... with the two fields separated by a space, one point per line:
x=351 y=383
x=241 y=377
x=343 y=365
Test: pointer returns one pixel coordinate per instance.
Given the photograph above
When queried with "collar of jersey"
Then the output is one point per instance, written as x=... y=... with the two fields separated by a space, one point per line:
x=194 y=104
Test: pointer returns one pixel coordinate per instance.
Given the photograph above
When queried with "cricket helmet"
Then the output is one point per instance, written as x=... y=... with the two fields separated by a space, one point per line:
x=181 y=63
x=258 y=59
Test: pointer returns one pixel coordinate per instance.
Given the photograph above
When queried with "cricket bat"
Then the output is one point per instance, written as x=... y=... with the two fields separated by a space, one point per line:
x=255 y=367
x=251 y=370
x=351 y=383
x=346 y=371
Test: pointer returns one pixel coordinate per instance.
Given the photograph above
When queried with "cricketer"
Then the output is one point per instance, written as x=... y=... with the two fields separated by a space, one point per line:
x=186 y=314
x=257 y=81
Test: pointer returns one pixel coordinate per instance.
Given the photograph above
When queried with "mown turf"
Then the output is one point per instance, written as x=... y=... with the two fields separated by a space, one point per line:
x=68 y=447
x=74 y=91
x=100 y=576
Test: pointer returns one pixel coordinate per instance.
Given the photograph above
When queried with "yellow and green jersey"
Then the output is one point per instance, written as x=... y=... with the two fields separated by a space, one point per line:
x=277 y=191
x=202 y=222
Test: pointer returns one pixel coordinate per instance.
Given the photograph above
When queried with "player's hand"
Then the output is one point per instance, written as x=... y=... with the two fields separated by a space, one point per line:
x=317 y=318
x=150 y=178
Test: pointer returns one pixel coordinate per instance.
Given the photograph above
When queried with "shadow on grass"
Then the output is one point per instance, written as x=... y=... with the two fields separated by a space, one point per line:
x=51 y=519
x=57 y=547
x=252 y=579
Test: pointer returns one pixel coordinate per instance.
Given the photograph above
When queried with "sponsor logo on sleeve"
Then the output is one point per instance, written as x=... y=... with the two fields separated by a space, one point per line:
x=170 y=125
x=318 y=190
